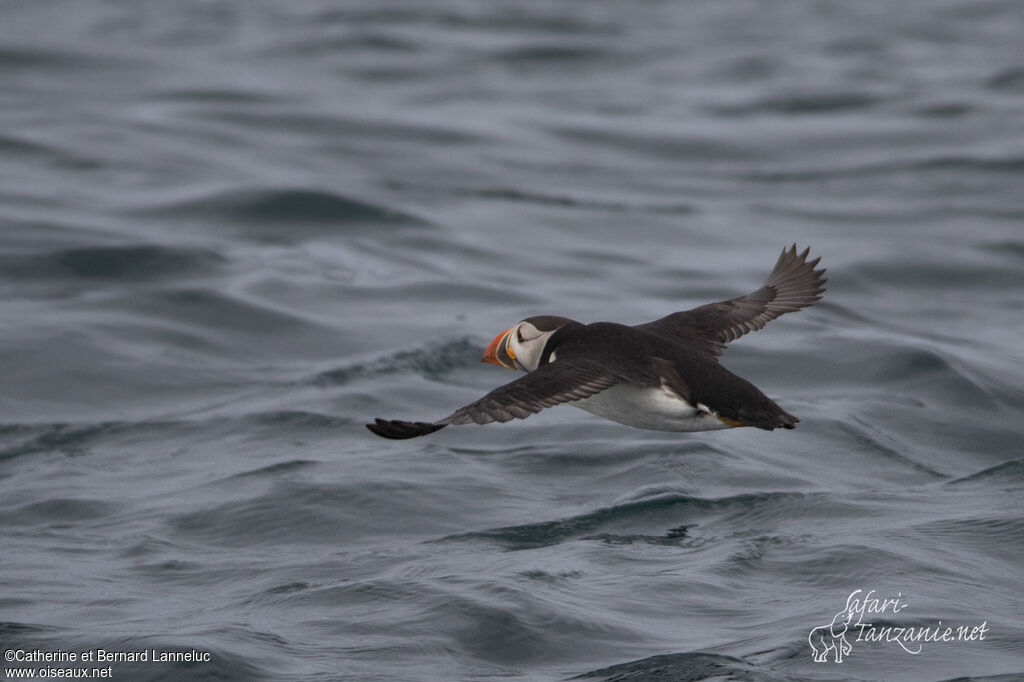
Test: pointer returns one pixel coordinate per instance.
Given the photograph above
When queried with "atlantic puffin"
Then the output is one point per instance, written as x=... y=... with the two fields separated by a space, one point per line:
x=662 y=375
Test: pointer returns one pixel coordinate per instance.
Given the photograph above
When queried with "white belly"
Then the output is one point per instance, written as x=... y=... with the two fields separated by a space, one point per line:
x=657 y=409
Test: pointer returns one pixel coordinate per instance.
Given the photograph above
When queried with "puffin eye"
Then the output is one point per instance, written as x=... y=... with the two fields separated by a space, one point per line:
x=519 y=335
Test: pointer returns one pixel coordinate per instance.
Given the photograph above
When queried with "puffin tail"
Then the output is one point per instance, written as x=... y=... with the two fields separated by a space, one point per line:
x=766 y=415
x=776 y=419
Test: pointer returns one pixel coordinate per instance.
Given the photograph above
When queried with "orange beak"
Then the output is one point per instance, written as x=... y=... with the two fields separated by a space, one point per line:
x=498 y=352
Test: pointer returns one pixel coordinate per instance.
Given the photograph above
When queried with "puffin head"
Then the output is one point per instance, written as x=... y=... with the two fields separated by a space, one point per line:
x=525 y=345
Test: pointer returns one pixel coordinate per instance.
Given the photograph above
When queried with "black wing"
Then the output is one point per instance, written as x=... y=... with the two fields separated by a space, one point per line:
x=793 y=284
x=552 y=384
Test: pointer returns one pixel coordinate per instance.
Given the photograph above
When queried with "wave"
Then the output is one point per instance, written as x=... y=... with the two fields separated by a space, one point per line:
x=260 y=213
x=1009 y=474
x=60 y=511
x=125 y=263
x=803 y=103
x=71 y=439
x=671 y=511
x=682 y=667
x=434 y=359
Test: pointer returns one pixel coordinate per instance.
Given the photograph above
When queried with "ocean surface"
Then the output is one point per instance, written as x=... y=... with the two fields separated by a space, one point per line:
x=232 y=233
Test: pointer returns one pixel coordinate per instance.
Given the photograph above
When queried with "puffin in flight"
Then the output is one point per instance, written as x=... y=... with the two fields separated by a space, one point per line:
x=662 y=375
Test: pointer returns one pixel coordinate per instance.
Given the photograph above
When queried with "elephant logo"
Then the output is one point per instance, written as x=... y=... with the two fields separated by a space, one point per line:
x=832 y=637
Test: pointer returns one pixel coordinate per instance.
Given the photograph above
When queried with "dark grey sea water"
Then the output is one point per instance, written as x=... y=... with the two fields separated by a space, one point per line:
x=233 y=232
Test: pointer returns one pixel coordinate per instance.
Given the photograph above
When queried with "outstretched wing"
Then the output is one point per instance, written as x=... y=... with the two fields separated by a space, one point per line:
x=793 y=284
x=554 y=383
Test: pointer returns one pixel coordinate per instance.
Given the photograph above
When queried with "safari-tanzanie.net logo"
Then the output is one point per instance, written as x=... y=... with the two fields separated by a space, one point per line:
x=851 y=625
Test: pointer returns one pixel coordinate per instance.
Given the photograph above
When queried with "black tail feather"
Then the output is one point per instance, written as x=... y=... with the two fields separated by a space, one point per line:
x=779 y=420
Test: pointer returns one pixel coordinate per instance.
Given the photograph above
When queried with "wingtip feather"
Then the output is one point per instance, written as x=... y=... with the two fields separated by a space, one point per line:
x=396 y=429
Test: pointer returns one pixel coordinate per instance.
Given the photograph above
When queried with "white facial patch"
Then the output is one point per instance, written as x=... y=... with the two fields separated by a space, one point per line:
x=528 y=342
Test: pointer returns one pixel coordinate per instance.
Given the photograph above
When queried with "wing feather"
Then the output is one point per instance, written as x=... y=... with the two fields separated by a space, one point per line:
x=793 y=284
x=552 y=384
